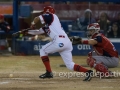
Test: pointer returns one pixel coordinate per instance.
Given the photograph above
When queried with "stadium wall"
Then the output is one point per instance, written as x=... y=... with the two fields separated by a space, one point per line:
x=32 y=47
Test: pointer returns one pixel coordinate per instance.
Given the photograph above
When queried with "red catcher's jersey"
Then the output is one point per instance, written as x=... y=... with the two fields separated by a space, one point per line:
x=104 y=47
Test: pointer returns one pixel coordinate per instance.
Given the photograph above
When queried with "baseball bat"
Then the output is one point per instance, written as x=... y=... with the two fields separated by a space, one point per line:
x=20 y=31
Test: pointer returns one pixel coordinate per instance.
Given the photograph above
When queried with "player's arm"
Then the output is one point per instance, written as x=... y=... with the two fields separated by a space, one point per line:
x=38 y=20
x=7 y=26
x=90 y=42
x=78 y=40
x=35 y=21
x=41 y=37
x=36 y=32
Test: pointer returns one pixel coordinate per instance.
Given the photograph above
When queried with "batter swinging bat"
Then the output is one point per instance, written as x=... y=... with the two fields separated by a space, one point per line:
x=20 y=31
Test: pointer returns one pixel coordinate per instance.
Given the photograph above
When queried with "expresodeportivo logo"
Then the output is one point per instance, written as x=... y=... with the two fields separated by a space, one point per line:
x=80 y=74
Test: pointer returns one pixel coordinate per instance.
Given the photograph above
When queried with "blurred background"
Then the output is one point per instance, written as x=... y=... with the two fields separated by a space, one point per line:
x=74 y=16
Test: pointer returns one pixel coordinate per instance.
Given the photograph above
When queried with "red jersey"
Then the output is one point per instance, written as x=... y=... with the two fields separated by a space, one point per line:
x=104 y=47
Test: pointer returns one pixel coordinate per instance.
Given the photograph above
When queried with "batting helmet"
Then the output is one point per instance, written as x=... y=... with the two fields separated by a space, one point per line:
x=49 y=9
x=1 y=16
x=95 y=26
x=92 y=29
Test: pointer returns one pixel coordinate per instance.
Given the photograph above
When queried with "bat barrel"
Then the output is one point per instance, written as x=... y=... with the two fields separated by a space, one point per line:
x=21 y=31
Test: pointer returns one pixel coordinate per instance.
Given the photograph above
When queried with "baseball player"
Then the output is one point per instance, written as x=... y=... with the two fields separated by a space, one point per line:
x=60 y=42
x=104 y=54
x=4 y=26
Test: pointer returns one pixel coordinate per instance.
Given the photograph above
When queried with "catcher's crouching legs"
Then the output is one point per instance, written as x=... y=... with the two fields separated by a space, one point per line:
x=98 y=66
x=46 y=62
x=67 y=58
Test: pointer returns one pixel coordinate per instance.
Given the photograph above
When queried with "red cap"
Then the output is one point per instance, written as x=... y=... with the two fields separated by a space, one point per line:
x=1 y=16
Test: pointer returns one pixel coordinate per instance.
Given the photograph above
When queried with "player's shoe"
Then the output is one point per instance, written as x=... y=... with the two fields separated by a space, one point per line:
x=46 y=75
x=89 y=75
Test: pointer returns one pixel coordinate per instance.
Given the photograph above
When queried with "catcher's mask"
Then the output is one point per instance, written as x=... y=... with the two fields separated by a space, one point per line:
x=92 y=29
x=49 y=9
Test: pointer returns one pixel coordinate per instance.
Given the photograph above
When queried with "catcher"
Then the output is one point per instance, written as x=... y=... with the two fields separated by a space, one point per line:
x=104 y=54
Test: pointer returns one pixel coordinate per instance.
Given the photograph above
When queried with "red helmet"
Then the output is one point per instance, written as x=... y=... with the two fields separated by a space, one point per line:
x=1 y=16
x=49 y=9
x=92 y=29
x=95 y=26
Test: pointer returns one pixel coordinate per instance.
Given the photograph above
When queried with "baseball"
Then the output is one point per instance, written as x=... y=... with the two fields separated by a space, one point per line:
x=11 y=75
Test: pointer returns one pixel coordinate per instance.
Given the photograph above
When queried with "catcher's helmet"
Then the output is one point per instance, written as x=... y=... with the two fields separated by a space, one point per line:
x=95 y=26
x=49 y=9
x=92 y=29
x=1 y=16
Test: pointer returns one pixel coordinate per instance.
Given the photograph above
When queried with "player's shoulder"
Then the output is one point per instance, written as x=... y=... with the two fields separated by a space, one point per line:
x=98 y=37
x=99 y=34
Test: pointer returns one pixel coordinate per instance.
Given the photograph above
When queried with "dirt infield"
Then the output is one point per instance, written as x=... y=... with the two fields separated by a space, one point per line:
x=26 y=70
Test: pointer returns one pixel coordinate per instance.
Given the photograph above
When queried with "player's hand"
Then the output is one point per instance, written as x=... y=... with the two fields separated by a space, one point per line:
x=75 y=40
x=32 y=26
x=8 y=28
x=33 y=38
x=46 y=39
x=90 y=54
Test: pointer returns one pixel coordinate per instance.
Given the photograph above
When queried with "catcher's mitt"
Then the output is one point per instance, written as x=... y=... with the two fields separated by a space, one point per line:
x=75 y=40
